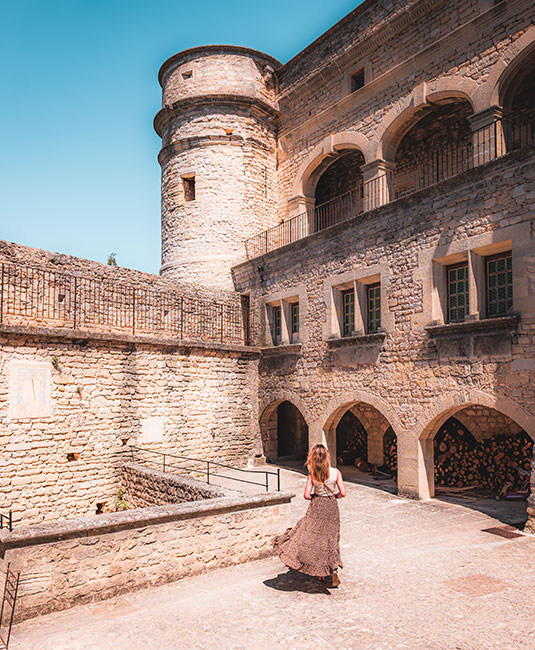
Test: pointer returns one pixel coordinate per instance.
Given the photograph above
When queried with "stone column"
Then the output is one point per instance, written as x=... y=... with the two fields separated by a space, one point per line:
x=377 y=179
x=301 y=215
x=488 y=141
x=530 y=525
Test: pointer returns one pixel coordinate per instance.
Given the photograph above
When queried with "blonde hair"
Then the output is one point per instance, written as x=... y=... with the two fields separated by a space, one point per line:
x=319 y=463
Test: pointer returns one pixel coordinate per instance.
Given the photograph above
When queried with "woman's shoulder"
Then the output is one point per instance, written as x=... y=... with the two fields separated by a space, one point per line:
x=334 y=473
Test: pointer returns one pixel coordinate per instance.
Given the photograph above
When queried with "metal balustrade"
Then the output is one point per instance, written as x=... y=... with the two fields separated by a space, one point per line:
x=500 y=137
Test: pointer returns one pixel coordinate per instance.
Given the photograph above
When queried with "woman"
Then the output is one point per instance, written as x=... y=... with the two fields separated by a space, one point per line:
x=312 y=546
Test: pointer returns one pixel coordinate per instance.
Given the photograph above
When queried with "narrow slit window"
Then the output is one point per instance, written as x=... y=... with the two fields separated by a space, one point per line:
x=457 y=292
x=357 y=80
x=499 y=284
x=348 y=313
x=189 y=188
x=374 y=307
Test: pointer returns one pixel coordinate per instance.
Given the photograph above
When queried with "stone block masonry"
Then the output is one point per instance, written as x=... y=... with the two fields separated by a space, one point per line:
x=103 y=391
x=66 y=563
x=144 y=487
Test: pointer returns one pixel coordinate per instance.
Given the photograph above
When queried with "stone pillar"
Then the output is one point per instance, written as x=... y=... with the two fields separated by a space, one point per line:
x=377 y=180
x=415 y=466
x=488 y=141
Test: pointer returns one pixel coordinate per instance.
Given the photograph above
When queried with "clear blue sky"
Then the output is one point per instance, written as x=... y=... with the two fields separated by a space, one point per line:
x=78 y=167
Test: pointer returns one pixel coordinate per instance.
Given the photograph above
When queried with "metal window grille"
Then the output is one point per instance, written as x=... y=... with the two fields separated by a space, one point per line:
x=348 y=301
x=499 y=284
x=276 y=325
x=295 y=317
x=374 y=307
x=457 y=292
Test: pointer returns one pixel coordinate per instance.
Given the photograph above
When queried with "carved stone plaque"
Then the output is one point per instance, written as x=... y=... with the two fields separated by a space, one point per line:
x=152 y=429
x=30 y=390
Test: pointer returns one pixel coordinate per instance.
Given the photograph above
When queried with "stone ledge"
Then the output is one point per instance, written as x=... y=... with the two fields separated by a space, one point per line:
x=474 y=326
x=80 y=335
x=132 y=519
x=361 y=339
x=275 y=350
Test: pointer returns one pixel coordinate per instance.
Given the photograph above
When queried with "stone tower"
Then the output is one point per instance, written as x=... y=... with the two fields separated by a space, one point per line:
x=218 y=159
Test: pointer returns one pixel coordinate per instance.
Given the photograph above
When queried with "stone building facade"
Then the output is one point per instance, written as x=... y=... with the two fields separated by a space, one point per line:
x=367 y=208
x=394 y=277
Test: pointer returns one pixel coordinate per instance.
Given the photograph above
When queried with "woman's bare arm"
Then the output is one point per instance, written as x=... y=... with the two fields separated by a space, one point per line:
x=341 y=487
x=308 y=488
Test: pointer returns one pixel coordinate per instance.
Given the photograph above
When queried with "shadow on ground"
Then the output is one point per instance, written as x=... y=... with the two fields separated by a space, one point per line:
x=295 y=581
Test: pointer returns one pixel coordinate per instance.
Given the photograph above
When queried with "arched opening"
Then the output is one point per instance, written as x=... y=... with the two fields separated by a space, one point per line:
x=355 y=434
x=482 y=458
x=390 y=453
x=436 y=145
x=338 y=193
x=284 y=432
x=518 y=101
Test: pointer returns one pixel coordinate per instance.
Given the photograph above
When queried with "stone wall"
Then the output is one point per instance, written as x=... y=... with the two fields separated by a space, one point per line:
x=414 y=55
x=94 y=558
x=144 y=487
x=414 y=373
x=106 y=391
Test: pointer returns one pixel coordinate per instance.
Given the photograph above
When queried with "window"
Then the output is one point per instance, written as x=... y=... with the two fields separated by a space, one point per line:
x=457 y=277
x=374 y=307
x=294 y=320
x=357 y=80
x=499 y=275
x=348 y=313
x=189 y=188
x=276 y=329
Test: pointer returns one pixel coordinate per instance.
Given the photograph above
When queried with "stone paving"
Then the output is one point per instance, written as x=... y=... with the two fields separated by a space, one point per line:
x=423 y=576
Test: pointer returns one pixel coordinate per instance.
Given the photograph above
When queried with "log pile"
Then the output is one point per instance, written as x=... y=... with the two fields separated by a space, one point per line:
x=460 y=460
x=390 y=450
x=351 y=440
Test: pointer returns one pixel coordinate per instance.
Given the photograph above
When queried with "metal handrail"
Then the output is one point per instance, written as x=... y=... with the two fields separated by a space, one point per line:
x=8 y=519
x=208 y=464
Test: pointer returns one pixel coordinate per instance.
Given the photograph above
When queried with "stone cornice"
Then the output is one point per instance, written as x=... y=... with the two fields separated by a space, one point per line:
x=185 y=144
x=469 y=327
x=175 y=344
x=215 y=100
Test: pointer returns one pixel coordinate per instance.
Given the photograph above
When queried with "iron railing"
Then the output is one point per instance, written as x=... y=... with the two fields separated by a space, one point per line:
x=502 y=136
x=175 y=464
x=6 y=521
x=40 y=296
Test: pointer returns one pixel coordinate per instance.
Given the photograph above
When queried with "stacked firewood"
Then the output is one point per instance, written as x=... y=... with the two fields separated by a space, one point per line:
x=390 y=450
x=460 y=460
x=351 y=440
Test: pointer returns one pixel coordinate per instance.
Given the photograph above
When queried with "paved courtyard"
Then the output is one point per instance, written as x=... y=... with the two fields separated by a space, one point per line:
x=417 y=575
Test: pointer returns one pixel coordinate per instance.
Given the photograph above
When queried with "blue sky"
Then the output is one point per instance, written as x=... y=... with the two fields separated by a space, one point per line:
x=78 y=167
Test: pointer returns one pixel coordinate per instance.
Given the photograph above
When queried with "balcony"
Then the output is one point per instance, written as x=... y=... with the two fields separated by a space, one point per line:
x=412 y=174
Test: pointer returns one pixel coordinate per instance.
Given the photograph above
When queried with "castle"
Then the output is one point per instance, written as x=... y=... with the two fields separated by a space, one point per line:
x=348 y=245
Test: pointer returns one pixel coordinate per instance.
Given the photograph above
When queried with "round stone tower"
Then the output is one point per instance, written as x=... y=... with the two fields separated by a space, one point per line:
x=218 y=159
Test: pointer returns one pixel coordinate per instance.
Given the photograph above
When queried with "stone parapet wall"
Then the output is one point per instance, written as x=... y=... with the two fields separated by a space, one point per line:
x=145 y=487
x=105 y=392
x=94 y=558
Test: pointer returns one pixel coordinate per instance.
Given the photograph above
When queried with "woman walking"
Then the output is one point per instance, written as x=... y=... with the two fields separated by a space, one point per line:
x=312 y=546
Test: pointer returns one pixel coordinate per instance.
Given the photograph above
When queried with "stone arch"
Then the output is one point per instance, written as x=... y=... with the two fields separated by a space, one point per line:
x=270 y=427
x=339 y=406
x=437 y=414
x=399 y=119
x=322 y=155
x=496 y=87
